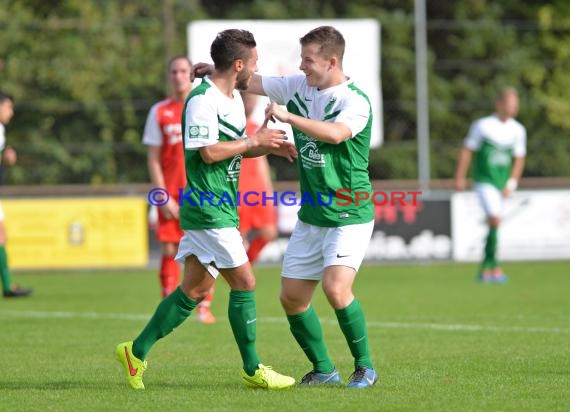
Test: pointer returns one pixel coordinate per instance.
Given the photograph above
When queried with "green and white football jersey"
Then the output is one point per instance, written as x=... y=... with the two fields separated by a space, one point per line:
x=494 y=144
x=325 y=168
x=210 y=117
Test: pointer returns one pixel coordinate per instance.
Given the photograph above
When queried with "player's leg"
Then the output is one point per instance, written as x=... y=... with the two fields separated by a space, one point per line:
x=169 y=235
x=169 y=314
x=172 y=310
x=176 y=307
x=204 y=312
x=492 y=202
x=242 y=313
x=4 y=270
x=302 y=270
x=8 y=289
x=264 y=222
x=234 y=266
x=344 y=250
x=169 y=269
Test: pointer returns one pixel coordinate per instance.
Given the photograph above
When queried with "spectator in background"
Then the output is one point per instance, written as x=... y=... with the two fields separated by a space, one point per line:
x=8 y=155
x=255 y=176
x=498 y=143
x=165 y=160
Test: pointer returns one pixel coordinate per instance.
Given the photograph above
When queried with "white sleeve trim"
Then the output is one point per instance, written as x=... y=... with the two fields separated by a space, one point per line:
x=152 y=135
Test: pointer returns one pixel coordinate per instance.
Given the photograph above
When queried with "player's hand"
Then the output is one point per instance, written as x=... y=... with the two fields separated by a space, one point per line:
x=203 y=69
x=275 y=112
x=507 y=192
x=268 y=138
x=460 y=184
x=10 y=156
x=170 y=210
x=286 y=150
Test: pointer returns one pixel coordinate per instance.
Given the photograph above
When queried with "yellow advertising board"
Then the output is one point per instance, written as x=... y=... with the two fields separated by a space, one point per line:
x=76 y=232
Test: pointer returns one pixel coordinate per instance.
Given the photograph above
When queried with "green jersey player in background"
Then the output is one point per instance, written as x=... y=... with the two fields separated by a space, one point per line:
x=9 y=289
x=497 y=144
x=213 y=127
x=331 y=120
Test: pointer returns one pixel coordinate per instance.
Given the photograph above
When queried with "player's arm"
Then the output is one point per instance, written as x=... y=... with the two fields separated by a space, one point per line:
x=519 y=153
x=516 y=173
x=154 y=168
x=261 y=142
x=255 y=85
x=10 y=156
x=171 y=209
x=518 y=166
x=463 y=162
x=152 y=138
x=471 y=144
x=328 y=132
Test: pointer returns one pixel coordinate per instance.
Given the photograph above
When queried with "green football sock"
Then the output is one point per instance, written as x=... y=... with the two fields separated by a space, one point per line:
x=169 y=314
x=308 y=332
x=490 y=260
x=353 y=325
x=4 y=271
x=243 y=318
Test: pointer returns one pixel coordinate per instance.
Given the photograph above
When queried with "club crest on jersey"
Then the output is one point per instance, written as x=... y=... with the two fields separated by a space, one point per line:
x=234 y=168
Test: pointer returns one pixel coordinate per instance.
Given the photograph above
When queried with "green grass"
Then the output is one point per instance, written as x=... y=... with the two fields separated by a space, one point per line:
x=440 y=342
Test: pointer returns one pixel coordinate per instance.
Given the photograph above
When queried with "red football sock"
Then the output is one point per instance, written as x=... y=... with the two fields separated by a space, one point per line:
x=255 y=248
x=169 y=275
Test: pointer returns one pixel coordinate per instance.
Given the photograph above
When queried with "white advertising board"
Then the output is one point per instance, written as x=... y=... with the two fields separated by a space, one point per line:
x=535 y=226
x=279 y=53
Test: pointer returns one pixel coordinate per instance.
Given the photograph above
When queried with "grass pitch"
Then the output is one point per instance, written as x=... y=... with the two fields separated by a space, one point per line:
x=440 y=342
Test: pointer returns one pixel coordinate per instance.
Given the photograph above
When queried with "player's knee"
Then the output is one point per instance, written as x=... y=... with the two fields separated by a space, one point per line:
x=289 y=302
x=494 y=221
x=169 y=249
x=269 y=233
x=339 y=297
x=242 y=282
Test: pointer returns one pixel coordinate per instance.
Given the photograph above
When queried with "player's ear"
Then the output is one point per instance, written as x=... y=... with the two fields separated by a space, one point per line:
x=238 y=65
x=333 y=62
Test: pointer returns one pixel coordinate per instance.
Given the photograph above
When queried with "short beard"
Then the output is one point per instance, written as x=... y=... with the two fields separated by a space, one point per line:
x=242 y=84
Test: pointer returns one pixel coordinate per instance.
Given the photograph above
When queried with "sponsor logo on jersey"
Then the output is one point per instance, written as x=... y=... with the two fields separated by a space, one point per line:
x=310 y=156
x=198 y=132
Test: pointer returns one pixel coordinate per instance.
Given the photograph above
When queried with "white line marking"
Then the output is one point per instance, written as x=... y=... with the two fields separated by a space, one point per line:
x=30 y=314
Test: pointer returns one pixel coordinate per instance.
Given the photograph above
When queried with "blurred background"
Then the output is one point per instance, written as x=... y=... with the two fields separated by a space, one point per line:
x=84 y=74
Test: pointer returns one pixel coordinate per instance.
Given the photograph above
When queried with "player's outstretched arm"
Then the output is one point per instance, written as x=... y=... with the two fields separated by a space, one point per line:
x=255 y=85
x=328 y=132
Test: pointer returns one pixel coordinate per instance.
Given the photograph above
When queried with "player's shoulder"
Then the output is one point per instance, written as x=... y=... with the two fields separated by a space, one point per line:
x=204 y=95
x=354 y=92
x=517 y=125
x=485 y=122
x=160 y=104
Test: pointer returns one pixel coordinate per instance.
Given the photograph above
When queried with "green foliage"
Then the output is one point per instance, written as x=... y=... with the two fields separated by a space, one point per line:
x=85 y=72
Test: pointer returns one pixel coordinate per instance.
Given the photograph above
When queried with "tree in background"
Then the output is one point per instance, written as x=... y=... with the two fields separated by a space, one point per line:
x=83 y=73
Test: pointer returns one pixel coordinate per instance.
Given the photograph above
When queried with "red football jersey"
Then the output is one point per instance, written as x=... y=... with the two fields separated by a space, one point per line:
x=252 y=173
